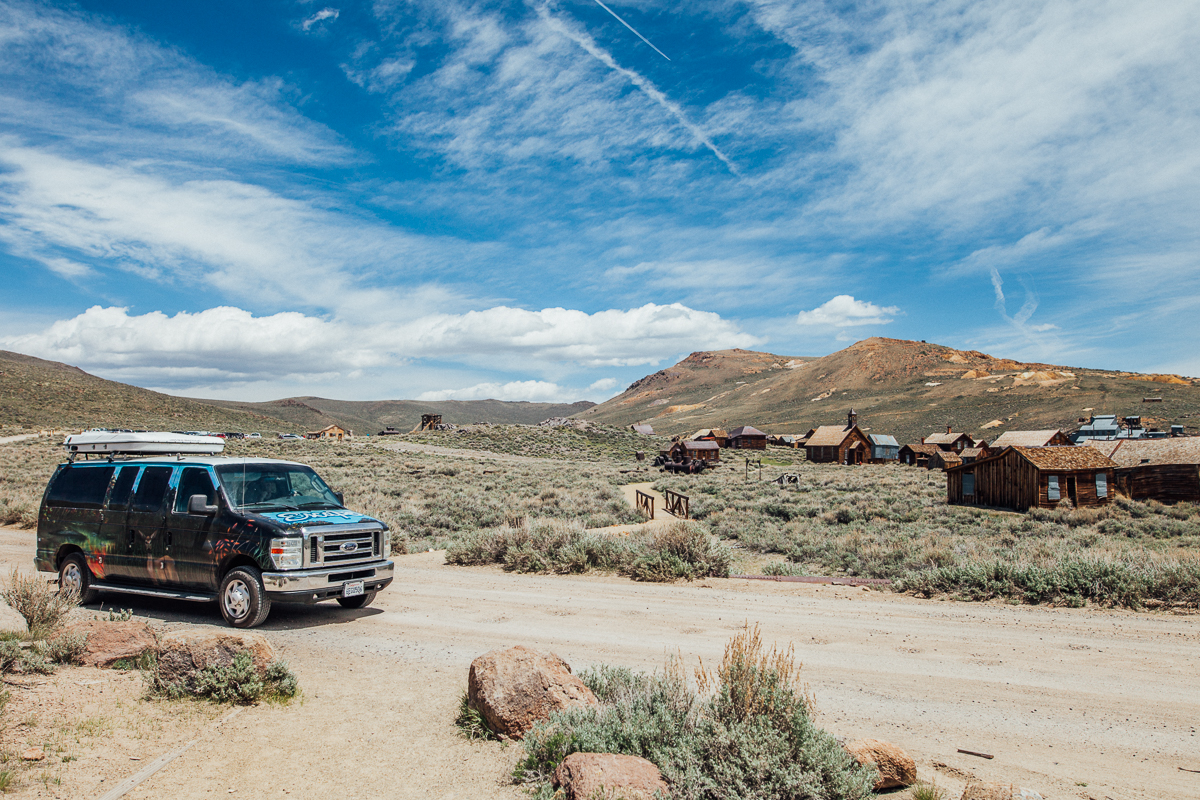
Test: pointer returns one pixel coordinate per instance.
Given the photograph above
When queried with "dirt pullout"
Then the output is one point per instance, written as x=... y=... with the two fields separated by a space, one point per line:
x=1062 y=697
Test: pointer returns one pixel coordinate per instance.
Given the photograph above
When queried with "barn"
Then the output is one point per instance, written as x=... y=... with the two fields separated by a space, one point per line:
x=1166 y=470
x=1021 y=478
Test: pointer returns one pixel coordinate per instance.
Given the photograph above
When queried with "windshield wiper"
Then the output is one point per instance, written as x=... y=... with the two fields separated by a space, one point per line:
x=272 y=504
x=318 y=504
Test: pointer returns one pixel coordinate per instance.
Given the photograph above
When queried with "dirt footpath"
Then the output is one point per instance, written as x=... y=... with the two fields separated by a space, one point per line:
x=1072 y=702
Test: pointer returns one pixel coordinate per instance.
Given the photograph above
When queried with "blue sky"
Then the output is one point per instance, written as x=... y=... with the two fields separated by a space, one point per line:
x=524 y=200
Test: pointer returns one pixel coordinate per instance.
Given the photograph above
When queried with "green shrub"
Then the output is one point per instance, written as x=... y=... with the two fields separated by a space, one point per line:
x=43 y=608
x=66 y=648
x=680 y=550
x=747 y=733
x=238 y=682
x=470 y=721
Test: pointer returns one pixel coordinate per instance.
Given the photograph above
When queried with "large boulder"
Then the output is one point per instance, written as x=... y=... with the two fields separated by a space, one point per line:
x=896 y=767
x=998 y=791
x=110 y=642
x=186 y=652
x=515 y=688
x=607 y=776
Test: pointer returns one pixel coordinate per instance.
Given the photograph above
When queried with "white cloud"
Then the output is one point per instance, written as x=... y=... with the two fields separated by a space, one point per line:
x=529 y=391
x=231 y=344
x=320 y=16
x=844 y=311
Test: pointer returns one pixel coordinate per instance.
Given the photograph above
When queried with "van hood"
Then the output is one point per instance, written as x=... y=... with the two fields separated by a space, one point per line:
x=324 y=516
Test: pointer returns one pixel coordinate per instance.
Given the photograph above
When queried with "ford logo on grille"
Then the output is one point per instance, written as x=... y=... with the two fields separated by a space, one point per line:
x=349 y=547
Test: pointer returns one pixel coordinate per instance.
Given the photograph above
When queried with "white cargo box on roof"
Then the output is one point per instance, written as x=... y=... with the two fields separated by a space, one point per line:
x=142 y=443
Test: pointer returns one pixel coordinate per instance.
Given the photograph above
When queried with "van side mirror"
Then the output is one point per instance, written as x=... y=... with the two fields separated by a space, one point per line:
x=341 y=498
x=198 y=504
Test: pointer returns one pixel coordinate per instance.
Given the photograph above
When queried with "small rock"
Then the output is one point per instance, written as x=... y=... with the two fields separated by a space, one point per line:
x=896 y=767
x=998 y=791
x=515 y=688
x=607 y=776
x=34 y=754
x=110 y=642
x=186 y=652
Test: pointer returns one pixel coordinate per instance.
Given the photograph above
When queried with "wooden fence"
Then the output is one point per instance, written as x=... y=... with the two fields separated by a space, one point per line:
x=676 y=503
x=645 y=504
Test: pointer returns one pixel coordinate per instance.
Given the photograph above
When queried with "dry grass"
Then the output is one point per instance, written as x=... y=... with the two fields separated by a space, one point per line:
x=43 y=609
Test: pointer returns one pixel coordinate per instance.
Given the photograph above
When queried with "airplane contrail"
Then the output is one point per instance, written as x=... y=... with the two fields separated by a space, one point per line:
x=635 y=33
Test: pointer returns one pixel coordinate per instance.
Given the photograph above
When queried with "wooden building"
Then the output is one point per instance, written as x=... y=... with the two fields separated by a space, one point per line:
x=718 y=435
x=1021 y=478
x=944 y=459
x=837 y=444
x=917 y=455
x=884 y=449
x=1051 y=438
x=970 y=454
x=747 y=438
x=695 y=451
x=950 y=440
x=1166 y=470
x=330 y=432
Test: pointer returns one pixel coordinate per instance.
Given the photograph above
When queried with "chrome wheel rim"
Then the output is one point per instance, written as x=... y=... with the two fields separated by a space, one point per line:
x=71 y=579
x=237 y=599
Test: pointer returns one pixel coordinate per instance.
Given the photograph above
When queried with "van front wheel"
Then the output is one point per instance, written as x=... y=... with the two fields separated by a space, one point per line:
x=75 y=577
x=244 y=601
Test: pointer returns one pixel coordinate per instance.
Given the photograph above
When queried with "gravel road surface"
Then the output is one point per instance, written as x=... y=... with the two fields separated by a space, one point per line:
x=1061 y=697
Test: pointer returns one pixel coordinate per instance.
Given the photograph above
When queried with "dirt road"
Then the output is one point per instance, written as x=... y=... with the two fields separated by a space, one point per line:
x=1062 y=697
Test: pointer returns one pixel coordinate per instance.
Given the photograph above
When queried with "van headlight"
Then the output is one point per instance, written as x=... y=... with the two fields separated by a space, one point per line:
x=385 y=544
x=287 y=553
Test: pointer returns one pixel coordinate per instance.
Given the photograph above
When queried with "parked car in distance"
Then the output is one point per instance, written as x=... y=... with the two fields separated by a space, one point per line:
x=243 y=532
x=290 y=436
x=253 y=435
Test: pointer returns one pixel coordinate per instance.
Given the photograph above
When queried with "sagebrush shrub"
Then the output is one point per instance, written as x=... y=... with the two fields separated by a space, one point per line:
x=43 y=608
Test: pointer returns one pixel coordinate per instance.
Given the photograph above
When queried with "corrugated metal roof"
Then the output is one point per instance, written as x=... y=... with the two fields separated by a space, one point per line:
x=1024 y=439
x=828 y=436
x=1136 y=452
x=883 y=440
x=745 y=430
x=1065 y=457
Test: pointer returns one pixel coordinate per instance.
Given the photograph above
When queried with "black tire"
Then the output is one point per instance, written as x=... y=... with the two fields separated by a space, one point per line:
x=361 y=601
x=73 y=573
x=243 y=600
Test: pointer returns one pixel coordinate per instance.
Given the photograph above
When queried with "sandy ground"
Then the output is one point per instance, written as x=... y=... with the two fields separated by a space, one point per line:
x=1061 y=697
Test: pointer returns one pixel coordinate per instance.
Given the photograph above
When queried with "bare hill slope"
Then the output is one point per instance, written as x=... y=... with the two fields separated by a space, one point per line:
x=907 y=389
x=46 y=394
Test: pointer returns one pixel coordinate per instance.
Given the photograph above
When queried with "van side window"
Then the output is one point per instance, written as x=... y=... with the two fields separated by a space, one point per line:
x=119 y=499
x=80 y=487
x=151 y=489
x=195 y=480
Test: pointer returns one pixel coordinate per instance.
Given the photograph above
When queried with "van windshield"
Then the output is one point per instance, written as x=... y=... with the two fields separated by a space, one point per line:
x=275 y=487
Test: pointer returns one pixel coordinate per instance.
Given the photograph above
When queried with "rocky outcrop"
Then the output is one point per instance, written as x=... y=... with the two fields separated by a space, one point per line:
x=998 y=791
x=186 y=652
x=110 y=642
x=515 y=688
x=896 y=767
x=588 y=776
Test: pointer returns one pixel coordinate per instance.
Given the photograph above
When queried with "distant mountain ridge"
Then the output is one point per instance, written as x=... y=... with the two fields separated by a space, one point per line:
x=899 y=387
x=35 y=393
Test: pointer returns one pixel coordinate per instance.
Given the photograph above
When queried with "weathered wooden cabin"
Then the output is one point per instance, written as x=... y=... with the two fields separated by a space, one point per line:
x=944 y=459
x=1166 y=470
x=1021 y=478
x=950 y=440
x=696 y=451
x=884 y=449
x=747 y=438
x=837 y=444
x=917 y=455
x=717 y=435
x=970 y=454
x=330 y=432
x=1051 y=438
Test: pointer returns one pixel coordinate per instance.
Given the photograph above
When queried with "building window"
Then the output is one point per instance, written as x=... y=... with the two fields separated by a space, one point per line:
x=1052 y=491
x=969 y=484
x=1101 y=485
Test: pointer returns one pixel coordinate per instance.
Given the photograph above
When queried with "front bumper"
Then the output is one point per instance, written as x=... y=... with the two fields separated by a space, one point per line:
x=315 y=585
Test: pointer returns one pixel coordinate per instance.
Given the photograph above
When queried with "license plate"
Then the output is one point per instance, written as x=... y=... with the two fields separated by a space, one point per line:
x=352 y=589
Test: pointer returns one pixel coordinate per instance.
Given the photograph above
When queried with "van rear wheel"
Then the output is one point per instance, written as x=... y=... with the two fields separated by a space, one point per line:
x=244 y=601
x=362 y=601
x=74 y=576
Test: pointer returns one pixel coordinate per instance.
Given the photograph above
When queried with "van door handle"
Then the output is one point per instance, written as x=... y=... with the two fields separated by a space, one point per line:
x=169 y=540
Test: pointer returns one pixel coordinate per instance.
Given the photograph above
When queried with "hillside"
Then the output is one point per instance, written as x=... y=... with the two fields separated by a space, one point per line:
x=38 y=394
x=907 y=389
x=372 y=416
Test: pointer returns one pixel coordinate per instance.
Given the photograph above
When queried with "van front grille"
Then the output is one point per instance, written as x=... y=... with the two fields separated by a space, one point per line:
x=342 y=546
